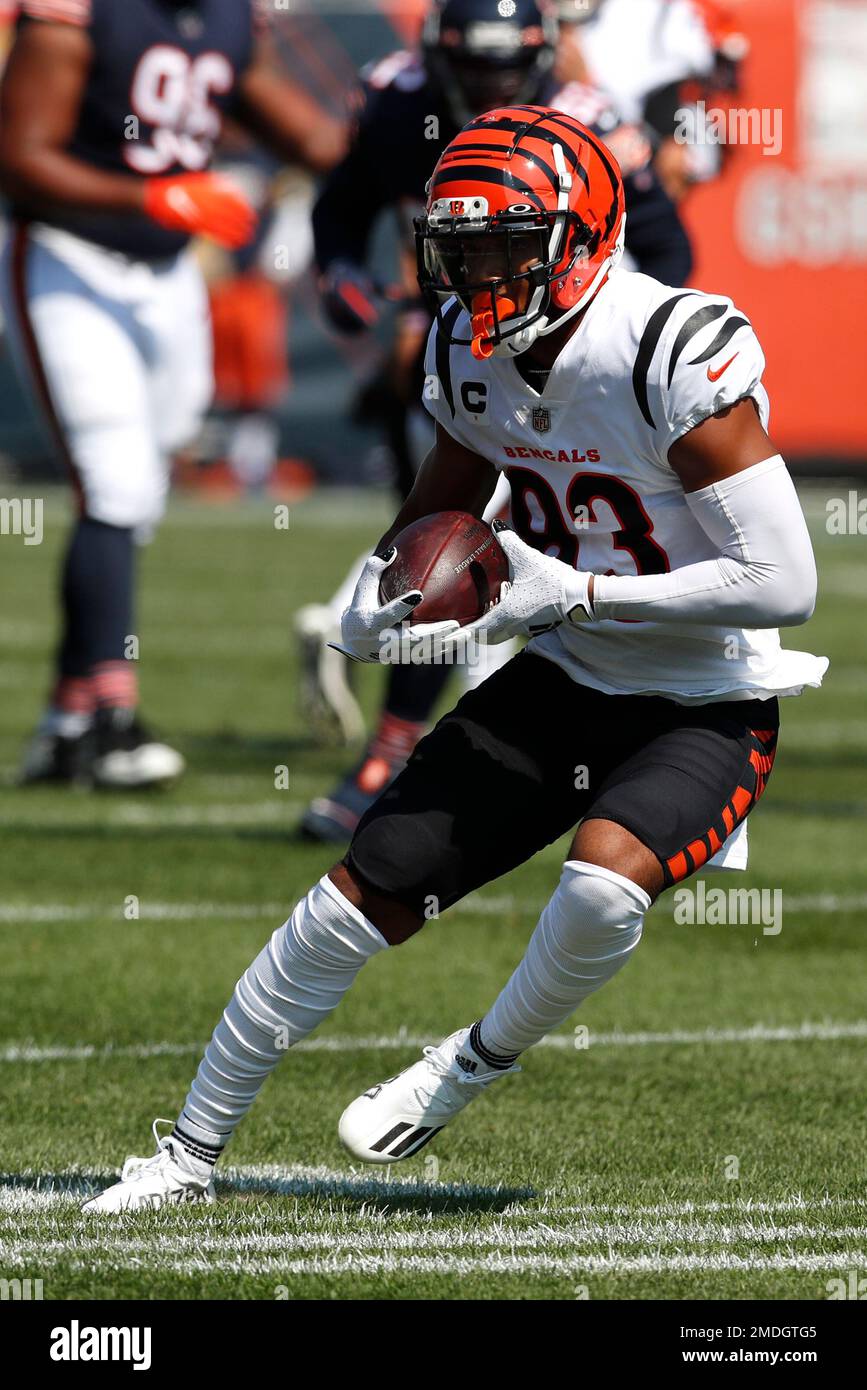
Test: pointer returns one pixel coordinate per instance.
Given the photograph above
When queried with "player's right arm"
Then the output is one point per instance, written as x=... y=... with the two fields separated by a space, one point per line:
x=40 y=100
x=352 y=197
x=451 y=479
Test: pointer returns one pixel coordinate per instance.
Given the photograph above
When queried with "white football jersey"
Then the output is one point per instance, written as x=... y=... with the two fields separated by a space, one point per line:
x=635 y=47
x=587 y=463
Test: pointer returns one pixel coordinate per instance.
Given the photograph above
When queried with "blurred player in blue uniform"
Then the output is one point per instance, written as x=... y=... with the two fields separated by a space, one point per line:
x=109 y=116
x=475 y=55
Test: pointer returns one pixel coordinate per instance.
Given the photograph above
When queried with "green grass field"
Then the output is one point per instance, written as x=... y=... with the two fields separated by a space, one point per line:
x=708 y=1144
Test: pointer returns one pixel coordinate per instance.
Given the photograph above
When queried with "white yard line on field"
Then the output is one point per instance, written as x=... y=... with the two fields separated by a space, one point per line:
x=758 y=1033
x=35 y=914
x=71 y=1187
x=492 y=1262
x=205 y=814
x=374 y=1240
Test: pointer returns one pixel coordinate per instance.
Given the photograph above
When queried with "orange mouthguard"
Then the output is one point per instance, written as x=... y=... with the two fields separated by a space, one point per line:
x=482 y=322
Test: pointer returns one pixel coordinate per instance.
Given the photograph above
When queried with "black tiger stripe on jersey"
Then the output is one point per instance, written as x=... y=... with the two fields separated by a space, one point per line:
x=694 y=324
x=443 y=353
x=728 y=331
x=647 y=347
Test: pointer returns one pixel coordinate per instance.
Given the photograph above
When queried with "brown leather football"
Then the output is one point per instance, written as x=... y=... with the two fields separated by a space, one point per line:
x=454 y=559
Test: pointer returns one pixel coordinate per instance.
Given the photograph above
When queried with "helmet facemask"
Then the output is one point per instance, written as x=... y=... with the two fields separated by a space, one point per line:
x=490 y=264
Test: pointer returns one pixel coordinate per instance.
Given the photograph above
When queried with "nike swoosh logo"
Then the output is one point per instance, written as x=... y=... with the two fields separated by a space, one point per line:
x=715 y=376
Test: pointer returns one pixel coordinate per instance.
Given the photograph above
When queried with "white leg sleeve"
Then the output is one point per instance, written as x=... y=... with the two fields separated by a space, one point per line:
x=587 y=932
x=291 y=987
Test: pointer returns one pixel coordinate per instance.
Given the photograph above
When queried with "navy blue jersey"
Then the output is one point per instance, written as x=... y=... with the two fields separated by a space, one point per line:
x=404 y=129
x=163 y=75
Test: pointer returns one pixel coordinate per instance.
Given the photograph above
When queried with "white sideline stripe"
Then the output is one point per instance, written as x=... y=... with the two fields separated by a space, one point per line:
x=277 y=808
x=26 y=913
x=14 y=1199
x=373 y=1241
x=147 y=911
x=491 y=1263
x=759 y=1032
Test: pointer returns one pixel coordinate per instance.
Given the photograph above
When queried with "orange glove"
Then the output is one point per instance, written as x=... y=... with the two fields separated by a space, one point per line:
x=204 y=204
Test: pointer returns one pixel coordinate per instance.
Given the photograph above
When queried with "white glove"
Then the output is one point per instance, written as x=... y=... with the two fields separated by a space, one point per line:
x=541 y=593
x=367 y=625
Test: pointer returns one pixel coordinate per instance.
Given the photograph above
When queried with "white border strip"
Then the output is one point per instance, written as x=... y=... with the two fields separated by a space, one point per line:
x=757 y=1033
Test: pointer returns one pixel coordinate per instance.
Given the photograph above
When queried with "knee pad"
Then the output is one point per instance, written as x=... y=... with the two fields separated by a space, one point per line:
x=596 y=913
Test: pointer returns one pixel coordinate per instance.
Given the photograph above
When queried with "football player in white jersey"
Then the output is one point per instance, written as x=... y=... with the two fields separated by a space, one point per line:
x=659 y=544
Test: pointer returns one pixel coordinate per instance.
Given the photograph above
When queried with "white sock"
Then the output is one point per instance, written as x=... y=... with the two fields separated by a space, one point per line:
x=293 y=985
x=587 y=932
x=64 y=723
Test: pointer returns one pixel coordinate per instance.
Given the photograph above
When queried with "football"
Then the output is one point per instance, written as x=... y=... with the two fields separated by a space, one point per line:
x=455 y=560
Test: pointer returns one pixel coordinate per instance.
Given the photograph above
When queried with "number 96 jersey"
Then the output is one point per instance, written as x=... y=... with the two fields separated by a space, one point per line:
x=162 y=77
x=587 y=463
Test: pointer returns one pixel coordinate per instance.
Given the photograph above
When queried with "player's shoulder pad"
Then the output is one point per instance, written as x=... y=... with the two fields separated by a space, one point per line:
x=78 y=12
x=697 y=353
x=438 y=363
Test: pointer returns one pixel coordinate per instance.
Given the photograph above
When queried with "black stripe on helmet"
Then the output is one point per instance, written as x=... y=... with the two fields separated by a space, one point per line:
x=532 y=130
x=694 y=324
x=504 y=178
x=614 y=178
x=647 y=347
x=507 y=153
x=728 y=330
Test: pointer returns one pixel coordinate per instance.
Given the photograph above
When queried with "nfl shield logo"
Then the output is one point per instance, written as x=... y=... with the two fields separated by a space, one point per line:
x=541 y=419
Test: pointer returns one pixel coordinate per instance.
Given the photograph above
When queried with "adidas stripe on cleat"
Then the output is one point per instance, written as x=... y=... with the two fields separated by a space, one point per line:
x=398 y=1117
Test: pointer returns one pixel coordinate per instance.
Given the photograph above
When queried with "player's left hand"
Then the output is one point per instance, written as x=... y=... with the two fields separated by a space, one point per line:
x=372 y=631
x=203 y=204
x=540 y=593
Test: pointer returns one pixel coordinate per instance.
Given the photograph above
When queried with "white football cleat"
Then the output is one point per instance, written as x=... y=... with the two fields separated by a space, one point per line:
x=326 y=698
x=168 y=1178
x=396 y=1118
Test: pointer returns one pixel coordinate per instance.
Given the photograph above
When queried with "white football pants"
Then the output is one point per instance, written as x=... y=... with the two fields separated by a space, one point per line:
x=118 y=355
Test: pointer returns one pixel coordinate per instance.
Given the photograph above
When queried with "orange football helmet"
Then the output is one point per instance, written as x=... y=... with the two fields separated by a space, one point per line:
x=524 y=193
